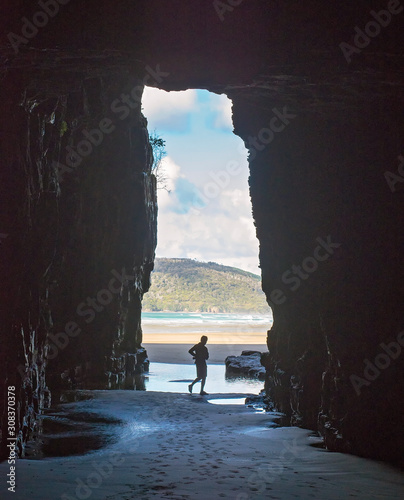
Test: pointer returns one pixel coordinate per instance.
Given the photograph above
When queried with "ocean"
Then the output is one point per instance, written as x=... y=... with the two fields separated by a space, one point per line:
x=175 y=378
x=179 y=323
x=186 y=328
x=167 y=336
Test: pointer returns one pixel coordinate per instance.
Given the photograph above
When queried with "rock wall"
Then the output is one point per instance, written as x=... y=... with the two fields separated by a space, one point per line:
x=80 y=221
x=329 y=231
x=323 y=125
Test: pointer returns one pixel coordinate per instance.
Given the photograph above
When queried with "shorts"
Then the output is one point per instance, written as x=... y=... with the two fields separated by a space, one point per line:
x=201 y=371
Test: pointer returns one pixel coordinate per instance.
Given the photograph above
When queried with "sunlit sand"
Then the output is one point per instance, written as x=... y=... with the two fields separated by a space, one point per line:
x=180 y=446
x=214 y=338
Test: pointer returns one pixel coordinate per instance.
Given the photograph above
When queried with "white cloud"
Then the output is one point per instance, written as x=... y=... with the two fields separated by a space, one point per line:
x=193 y=222
x=249 y=227
x=177 y=194
x=169 y=110
x=210 y=235
x=235 y=198
x=171 y=171
x=221 y=105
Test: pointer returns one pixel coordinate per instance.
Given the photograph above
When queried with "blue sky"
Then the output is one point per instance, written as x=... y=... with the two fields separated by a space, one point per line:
x=206 y=212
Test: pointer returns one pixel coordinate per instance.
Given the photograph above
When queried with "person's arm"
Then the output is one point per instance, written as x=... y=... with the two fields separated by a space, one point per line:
x=207 y=353
x=192 y=351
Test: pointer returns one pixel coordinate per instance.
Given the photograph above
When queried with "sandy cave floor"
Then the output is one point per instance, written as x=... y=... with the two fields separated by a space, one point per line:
x=179 y=446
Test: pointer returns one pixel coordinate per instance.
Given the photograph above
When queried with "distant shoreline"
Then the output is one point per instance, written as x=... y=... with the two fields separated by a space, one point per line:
x=218 y=338
x=255 y=313
x=178 y=353
x=168 y=334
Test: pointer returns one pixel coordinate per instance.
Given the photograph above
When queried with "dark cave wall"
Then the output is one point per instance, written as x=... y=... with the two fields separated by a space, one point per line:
x=323 y=175
x=81 y=238
x=107 y=256
x=24 y=321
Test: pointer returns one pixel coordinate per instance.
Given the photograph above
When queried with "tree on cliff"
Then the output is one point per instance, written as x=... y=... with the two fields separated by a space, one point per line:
x=159 y=153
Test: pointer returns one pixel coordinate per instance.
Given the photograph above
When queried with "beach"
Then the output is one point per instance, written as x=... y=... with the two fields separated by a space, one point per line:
x=169 y=327
x=168 y=336
x=164 y=443
x=178 y=353
x=182 y=447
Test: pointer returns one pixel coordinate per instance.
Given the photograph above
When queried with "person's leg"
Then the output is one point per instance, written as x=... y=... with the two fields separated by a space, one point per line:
x=203 y=383
x=203 y=374
x=193 y=383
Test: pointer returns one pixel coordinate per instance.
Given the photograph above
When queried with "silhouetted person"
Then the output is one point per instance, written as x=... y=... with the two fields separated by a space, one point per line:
x=200 y=354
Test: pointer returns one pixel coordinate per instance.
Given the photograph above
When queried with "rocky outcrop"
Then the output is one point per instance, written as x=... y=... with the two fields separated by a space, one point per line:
x=247 y=365
x=328 y=224
x=324 y=129
x=81 y=236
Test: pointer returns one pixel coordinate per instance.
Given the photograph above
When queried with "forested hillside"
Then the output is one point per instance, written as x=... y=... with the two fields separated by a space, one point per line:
x=191 y=286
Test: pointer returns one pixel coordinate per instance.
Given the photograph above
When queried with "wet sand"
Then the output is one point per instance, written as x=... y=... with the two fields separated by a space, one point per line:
x=180 y=447
x=178 y=353
x=223 y=338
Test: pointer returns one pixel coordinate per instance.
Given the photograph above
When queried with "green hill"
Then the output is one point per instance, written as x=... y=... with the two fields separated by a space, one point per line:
x=191 y=286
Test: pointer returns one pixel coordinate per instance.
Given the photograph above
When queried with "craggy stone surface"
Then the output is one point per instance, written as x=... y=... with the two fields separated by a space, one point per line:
x=321 y=177
x=80 y=243
x=246 y=365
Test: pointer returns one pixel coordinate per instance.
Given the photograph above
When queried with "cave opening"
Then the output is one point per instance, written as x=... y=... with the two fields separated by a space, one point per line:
x=203 y=193
x=206 y=277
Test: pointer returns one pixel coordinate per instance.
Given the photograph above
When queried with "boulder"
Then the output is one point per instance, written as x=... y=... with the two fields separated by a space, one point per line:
x=247 y=365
